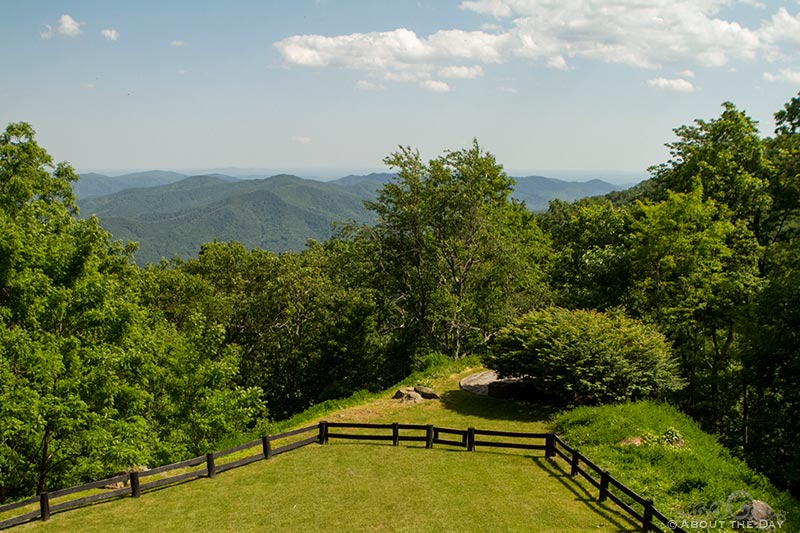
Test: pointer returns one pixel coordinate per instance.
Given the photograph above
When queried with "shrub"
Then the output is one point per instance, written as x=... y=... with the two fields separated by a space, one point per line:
x=585 y=357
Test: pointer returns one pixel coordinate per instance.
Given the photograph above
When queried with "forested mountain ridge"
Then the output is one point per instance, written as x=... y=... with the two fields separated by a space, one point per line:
x=177 y=217
x=93 y=184
x=279 y=213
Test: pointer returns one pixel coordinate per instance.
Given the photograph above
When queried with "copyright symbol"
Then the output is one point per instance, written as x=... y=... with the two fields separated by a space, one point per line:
x=672 y=524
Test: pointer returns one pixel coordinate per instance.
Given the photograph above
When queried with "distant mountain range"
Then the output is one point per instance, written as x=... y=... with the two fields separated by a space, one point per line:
x=171 y=214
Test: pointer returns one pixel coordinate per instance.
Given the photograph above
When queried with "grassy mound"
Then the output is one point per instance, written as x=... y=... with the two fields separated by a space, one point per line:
x=662 y=454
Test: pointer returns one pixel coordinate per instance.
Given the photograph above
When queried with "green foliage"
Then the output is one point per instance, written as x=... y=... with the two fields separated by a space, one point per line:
x=772 y=398
x=590 y=239
x=90 y=384
x=728 y=158
x=304 y=337
x=585 y=357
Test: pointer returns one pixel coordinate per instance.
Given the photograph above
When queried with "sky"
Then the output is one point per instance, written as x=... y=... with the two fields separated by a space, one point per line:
x=568 y=88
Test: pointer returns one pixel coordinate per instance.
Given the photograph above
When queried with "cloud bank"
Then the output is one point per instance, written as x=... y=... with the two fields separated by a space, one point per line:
x=644 y=34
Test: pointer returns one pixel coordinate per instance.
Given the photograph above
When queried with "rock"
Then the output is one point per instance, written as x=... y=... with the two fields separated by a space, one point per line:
x=755 y=512
x=402 y=392
x=411 y=397
x=426 y=392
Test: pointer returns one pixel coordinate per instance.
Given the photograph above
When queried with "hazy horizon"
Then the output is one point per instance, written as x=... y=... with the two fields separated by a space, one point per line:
x=615 y=177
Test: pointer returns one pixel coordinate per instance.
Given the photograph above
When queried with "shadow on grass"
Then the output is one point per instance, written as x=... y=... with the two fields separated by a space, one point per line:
x=469 y=404
x=613 y=516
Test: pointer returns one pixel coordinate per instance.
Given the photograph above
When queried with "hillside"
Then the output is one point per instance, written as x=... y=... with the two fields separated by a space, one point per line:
x=279 y=213
x=537 y=191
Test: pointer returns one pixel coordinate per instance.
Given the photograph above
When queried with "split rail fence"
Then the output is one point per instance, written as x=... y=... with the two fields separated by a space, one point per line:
x=134 y=483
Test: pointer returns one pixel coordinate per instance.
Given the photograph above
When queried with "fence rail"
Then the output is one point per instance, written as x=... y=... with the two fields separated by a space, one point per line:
x=552 y=445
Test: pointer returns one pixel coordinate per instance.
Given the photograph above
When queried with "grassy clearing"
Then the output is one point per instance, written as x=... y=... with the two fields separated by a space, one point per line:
x=346 y=486
x=688 y=473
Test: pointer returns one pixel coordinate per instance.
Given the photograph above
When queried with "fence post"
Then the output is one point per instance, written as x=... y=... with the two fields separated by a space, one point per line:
x=550 y=445
x=647 y=518
x=212 y=469
x=266 y=447
x=323 y=432
x=603 y=486
x=429 y=436
x=44 y=505
x=136 y=490
x=470 y=439
x=576 y=457
x=395 y=434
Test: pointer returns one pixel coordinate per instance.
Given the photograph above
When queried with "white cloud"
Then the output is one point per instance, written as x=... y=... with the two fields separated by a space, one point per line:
x=301 y=139
x=678 y=85
x=47 y=33
x=785 y=74
x=366 y=85
x=781 y=35
x=110 y=35
x=495 y=8
x=753 y=3
x=398 y=55
x=641 y=33
x=435 y=86
x=89 y=86
x=648 y=34
x=177 y=44
x=69 y=27
x=557 y=62
x=462 y=72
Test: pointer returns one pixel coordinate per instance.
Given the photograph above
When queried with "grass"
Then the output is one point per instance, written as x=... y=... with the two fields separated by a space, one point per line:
x=348 y=486
x=686 y=471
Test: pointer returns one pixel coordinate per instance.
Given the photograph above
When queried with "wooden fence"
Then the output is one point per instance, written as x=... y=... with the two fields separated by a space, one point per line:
x=134 y=483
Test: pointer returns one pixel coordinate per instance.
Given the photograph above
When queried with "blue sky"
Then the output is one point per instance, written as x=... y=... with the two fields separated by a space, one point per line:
x=324 y=86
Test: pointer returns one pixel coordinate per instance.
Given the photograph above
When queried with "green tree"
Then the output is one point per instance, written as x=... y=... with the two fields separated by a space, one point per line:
x=304 y=336
x=771 y=399
x=455 y=257
x=91 y=381
x=64 y=309
x=728 y=158
x=591 y=245
x=695 y=272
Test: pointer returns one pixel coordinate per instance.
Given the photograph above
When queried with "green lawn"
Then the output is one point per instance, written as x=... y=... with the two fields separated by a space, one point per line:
x=351 y=486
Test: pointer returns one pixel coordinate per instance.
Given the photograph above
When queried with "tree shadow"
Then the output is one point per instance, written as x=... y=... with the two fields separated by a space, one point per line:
x=470 y=404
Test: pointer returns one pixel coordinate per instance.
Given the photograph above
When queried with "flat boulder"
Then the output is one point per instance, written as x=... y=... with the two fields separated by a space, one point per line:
x=426 y=392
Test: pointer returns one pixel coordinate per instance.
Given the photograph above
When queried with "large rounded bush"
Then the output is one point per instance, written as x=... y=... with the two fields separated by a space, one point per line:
x=585 y=357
